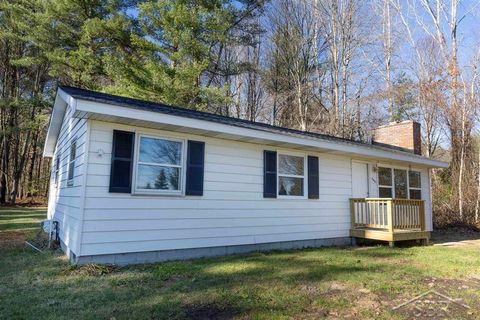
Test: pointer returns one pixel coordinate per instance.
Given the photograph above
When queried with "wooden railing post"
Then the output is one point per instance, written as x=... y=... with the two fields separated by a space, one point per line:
x=422 y=215
x=390 y=210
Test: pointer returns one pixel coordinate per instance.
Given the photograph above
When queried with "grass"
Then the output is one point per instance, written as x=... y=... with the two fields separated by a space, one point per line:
x=21 y=219
x=364 y=283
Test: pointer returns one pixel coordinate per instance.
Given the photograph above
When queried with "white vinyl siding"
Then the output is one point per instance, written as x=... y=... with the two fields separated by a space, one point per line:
x=65 y=198
x=232 y=210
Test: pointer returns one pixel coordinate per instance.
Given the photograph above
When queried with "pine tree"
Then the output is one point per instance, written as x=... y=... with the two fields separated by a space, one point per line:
x=174 y=46
x=161 y=181
x=77 y=37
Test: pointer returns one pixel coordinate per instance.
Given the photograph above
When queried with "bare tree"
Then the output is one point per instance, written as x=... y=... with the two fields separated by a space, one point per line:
x=293 y=65
x=339 y=23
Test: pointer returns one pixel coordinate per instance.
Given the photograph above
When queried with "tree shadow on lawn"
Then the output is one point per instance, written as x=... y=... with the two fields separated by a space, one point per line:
x=22 y=210
x=220 y=288
x=19 y=226
x=455 y=235
x=13 y=219
x=260 y=283
x=35 y=215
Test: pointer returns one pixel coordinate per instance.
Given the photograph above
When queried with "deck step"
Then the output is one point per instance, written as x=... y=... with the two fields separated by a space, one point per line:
x=385 y=235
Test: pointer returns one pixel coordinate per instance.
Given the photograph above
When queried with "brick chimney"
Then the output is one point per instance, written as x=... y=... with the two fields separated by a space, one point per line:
x=405 y=135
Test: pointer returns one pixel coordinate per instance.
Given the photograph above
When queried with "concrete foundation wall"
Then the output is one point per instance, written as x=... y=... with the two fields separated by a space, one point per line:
x=183 y=254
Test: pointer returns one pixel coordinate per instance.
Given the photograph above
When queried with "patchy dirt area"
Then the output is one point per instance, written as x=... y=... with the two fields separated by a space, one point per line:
x=434 y=305
x=94 y=270
x=210 y=311
x=12 y=239
x=446 y=299
x=456 y=237
x=349 y=302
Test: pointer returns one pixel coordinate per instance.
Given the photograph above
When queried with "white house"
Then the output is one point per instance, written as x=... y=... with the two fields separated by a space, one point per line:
x=134 y=182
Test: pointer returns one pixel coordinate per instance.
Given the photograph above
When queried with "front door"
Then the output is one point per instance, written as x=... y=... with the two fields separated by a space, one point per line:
x=359 y=180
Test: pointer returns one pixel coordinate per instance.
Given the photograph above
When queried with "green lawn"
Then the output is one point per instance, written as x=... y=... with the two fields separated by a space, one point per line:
x=21 y=219
x=362 y=283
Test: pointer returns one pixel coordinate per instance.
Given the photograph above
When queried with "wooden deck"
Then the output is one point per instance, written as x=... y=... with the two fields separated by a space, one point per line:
x=388 y=219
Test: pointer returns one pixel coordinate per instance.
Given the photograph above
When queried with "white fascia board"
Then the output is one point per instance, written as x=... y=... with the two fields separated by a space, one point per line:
x=56 y=118
x=232 y=130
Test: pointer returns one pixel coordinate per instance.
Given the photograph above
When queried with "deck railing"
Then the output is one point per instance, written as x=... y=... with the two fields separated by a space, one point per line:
x=387 y=213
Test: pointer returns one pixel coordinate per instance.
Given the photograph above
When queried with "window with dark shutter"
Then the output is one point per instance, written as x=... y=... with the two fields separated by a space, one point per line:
x=291 y=175
x=313 y=178
x=195 y=168
x=270 y=174
x=122 y=157
x=159 y=166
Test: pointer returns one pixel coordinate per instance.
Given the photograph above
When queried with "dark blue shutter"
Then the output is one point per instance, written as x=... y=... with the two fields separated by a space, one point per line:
x=313 y=178
x=122 y=162
x=195 y=168
x=269 y=174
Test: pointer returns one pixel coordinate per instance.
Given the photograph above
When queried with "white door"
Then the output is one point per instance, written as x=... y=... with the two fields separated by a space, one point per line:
x=360 y=180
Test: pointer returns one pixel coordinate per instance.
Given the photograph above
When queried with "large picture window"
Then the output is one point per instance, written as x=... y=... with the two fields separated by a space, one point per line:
x=399 y=183
x=291 y=175
x=159 y=166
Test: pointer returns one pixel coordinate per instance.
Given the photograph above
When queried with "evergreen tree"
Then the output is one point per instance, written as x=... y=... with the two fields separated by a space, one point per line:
x=23 y=77
x=77 y=37
x=403 y=98
x=161 y=181
x=174 y=46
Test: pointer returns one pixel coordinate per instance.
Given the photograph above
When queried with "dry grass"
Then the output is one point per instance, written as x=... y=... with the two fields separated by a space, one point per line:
x=359 y=283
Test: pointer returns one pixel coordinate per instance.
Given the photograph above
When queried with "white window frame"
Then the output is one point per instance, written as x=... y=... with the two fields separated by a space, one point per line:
x=304 y=177
x=135 y=190
x=393 y=179
x=56 y=173
x=392 y=186
x=71 y=162
x=415 y=188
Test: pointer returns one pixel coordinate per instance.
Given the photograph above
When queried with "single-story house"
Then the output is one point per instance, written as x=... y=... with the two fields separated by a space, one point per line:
x=134 y=181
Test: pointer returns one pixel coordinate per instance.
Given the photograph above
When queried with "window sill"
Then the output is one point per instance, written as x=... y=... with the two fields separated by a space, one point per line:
x=292 y=197
x=157 y=194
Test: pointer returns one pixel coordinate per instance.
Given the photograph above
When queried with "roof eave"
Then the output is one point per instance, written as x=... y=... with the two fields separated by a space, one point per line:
x=121 y=113
x=62 y=100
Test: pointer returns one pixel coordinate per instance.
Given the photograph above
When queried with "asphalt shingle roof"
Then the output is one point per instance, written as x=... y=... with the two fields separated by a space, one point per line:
x=188 y=113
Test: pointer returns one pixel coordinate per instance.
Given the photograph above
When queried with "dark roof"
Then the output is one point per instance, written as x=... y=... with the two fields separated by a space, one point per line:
x=188 y=113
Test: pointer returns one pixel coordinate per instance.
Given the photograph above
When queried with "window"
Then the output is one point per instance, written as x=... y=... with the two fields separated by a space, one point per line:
x=159 y=166
x=400 y=178
x=57 y=169
x=385 y=182
x=291 y=175
x=399 y=183
x=415 y=185
x=71 y=163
